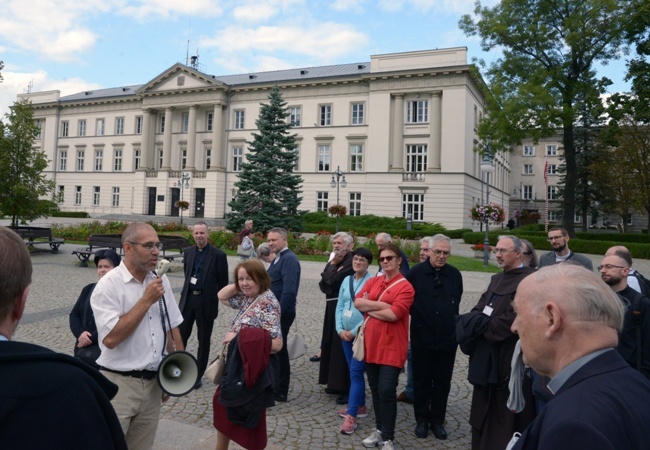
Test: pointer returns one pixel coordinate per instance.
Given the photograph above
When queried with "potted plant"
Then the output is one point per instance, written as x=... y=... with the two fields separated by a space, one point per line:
x=490 y=212
x=338 y=210
x=182 y=204
x=479 y=250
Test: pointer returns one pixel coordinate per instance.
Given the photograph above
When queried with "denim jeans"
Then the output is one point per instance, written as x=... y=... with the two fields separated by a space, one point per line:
x=383 y=385
x=357 y=395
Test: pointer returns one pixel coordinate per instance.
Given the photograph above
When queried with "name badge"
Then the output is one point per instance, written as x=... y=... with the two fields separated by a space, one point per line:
x=193 y=280
x=347 y=313
x=488 y=310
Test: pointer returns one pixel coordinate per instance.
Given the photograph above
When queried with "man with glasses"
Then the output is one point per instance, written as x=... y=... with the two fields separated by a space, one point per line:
x=634 y=340
x=484 y=334
x=559 y=239
x=438 y=291
x=134 y=311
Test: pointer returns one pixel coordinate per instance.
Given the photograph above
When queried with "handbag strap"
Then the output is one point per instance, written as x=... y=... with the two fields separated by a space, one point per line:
x=382 y=294
x=247 y=308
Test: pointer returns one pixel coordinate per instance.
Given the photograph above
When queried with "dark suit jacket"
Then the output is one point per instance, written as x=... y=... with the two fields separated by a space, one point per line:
x=285 y=280
x=604 y=405
x=215 y=277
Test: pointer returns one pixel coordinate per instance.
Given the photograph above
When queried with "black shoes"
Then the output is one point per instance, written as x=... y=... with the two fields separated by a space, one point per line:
x=402 y=397
x=333 y=391
x=198 y=384
x=342 y=399
x=315 y=358
x=438 y=431
x=280 y=398
x=422 y=430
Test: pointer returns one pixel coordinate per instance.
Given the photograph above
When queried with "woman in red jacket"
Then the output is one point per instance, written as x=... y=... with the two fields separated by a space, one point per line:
x=386 y=301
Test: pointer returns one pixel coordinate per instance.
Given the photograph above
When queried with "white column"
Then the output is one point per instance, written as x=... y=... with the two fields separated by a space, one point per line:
x=398 y=138
x=191 y=139
x=217 y=127
x=167 y=139
x=146 y=158
x=435 y=130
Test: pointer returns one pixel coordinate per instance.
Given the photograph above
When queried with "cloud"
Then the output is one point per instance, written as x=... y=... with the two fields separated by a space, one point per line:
x=146 y=10
x=254 y=13
x=426 y=6
x=347 y=5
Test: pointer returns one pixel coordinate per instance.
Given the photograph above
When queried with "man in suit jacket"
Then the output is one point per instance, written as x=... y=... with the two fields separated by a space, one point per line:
x=568 y=322
x=206 y=272
x=559 y=239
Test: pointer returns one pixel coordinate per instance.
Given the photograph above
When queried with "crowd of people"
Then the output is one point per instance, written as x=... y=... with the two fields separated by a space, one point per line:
x=559 y=356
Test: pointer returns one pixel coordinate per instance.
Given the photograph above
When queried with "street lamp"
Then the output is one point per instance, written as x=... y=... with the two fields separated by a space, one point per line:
x=338 y=182
x=185 y=177
x=487 y=166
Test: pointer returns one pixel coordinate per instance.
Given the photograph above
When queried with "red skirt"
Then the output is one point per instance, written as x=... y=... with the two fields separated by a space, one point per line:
x=249 y=438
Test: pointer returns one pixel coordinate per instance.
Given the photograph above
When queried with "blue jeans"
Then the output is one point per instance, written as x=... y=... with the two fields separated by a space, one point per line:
x=357 y=395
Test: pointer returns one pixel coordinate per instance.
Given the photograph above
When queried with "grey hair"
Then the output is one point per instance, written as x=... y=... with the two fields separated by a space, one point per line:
x=584 y=294
x=384 y=237
x=345 y=236
x=433 y=240
x=248 y=221
x=281 y=231
x=263 y=250
x=519 y=246
x=533 y=254
x=425 y=239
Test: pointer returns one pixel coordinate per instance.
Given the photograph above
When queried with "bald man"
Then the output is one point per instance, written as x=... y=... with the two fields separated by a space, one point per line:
x=568 y=322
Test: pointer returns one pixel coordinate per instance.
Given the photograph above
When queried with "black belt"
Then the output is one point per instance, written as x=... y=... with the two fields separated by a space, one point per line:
x=197 y=293
x=144 y=374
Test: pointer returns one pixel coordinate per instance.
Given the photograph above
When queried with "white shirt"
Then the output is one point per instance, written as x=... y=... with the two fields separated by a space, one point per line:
x=116 y=293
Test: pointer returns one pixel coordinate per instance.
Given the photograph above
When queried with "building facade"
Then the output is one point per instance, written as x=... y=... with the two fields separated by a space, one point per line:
x=402 y=128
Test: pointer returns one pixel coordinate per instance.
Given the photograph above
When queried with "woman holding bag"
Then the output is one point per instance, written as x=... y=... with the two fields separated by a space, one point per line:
x=347 y=321
x=258 y=308
x=386 y=301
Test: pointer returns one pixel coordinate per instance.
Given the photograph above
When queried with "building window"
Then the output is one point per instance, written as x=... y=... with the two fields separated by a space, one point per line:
x=183 y=158
x=325 y=115
x=553 y=193
x=185 y=122
x=528 y=192
x=529 y=150
x=80 y=160
x=161 y=128
x=552 y=169
x=322 y=201
x=417 y=111
x=528 y=169
x=81 y=128
x=95 y=195
x=357 y=113
x=63 y=161
x=237 y=158
x=138 y=124
x=416 y=158
x=354 y=203
x=413 y=204
x=77 y=195
x=208 y=158
x=356 y=158
x=115 y=202
x=119 y=125
x=553 y=216
x=209 y=121
x=99 y=127
x=296 y=166
x=160 y=158
x=239 y=119
x=60 y=196
x=65 y=128
x=137 y=154
x=99 y=157
x=324 y=156
x=551 y=150
x=294 y=116
x=117 y=160
x=39 y=126
x=577 y=217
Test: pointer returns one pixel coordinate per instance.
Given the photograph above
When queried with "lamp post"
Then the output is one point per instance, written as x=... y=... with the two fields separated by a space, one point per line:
x=338 y=180
x=487 y=166
x=185 y=177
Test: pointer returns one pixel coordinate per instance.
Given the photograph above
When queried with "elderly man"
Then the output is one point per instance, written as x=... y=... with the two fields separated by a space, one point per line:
x=285 y=282
x=384 y=238
x=559 y=239
x=438 y=291
x=334 y=371
x=47 y=399
x=134 y=311
x=568 y=321
x=484 y=334
x=634 y=341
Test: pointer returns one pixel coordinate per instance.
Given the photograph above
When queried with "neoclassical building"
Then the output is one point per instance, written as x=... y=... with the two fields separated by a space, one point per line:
x=402 y=127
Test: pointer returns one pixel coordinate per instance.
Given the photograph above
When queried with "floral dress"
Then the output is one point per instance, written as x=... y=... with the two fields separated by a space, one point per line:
x=265 y=313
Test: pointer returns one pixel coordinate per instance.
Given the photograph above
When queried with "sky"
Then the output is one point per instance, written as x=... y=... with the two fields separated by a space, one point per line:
x=78 y=45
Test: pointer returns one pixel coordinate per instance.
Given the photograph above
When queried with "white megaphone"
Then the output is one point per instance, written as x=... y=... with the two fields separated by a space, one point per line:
x=178 y=373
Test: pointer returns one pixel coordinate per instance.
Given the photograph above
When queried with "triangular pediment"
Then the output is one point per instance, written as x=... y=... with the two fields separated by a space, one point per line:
x=180 y=78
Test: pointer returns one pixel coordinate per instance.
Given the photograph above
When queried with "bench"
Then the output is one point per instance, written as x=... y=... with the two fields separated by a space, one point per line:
x=39 y=235
x=114 y=242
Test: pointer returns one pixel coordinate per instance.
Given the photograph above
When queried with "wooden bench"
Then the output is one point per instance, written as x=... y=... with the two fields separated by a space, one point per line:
x=114 y=242
x=39 y=235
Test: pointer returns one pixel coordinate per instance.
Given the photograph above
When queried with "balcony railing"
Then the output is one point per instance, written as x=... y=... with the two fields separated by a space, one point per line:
x=414 y=176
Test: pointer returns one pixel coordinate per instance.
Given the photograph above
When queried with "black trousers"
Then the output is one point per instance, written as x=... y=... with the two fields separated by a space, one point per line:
x=432 y=372
x=280 y=361
x=194 y=312
x=382 y=380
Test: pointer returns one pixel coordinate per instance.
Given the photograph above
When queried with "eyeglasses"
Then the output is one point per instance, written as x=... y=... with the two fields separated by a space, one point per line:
x=359 y=259
x=502 y=250
x=386 y=258
x=149 y=245
x=609 y=267
x=440 y=252
x=554 y=238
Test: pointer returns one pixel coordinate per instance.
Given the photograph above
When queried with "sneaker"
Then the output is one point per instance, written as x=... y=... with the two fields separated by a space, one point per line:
x=362 y=412
x=373 y=440
x=387 y=445
x=349 y=425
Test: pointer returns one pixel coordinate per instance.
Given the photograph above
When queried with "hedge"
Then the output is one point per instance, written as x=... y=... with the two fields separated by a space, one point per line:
x=76 y=214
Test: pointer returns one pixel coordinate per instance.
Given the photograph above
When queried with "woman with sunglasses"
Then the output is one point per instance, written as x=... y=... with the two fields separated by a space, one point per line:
x=385 y=300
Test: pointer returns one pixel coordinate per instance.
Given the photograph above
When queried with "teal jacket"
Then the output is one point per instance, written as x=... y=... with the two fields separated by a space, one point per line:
x=345 y=302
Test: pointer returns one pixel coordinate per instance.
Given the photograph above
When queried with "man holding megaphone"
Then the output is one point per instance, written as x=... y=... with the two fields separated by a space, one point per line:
x=134 y=312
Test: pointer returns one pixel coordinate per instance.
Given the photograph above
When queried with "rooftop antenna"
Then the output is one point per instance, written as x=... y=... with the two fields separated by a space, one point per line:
x=194 y=61
x=30 y=85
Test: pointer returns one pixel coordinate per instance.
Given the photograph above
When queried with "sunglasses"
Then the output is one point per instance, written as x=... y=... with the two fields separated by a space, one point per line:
x=386 y=258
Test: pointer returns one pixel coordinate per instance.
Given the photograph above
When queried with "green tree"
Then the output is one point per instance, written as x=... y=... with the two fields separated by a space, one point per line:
x=23 y=187
x=549 y=50
x=268 y=190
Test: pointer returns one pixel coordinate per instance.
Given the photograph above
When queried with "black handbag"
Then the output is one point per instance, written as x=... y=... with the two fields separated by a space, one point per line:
x=89 y=353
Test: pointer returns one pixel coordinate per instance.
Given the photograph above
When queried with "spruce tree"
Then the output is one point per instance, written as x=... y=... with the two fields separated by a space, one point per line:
x=268 y=192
